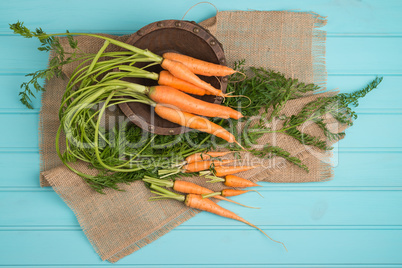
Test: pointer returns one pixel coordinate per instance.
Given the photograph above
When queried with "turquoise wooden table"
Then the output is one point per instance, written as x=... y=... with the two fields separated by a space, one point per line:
x=355 y=220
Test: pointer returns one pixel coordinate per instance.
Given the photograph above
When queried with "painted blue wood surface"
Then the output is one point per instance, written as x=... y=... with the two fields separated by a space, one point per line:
x=355 y=220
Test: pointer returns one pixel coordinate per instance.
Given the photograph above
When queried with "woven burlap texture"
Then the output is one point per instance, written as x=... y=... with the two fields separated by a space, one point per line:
x=121 y=222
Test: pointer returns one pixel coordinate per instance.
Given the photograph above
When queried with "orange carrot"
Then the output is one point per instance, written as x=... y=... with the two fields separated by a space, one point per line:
x=204 y=156
x=179 y=70
x=223 y=171
x=167 y=79
x=198 y=202
x=204 y=165
x=228 y=192
x=199 y=66
x=235 y=181
x=192 y=188
x=187 y=187
x=193 y=121
x=186 y=103
x=233 y=192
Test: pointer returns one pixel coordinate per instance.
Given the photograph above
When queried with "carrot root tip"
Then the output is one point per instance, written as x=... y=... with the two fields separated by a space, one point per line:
x=236 y=81
x=256 y=192
x=242 y=96
x=252 y=225
x=241 y=146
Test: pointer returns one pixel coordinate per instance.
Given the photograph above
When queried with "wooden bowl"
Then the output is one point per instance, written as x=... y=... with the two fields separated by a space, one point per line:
x=183 y=37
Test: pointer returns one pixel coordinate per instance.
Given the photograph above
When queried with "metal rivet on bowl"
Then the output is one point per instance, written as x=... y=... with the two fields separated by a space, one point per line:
x=171 y=131
x=159 y=24
x=212 y=43
x=151 y=127
x=224 y=79
x=196 y=30
x=178 y=24
x=223 y=61
x=219 y=98
x=140 y=32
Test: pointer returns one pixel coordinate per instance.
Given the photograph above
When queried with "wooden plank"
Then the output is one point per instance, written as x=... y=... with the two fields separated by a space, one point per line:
x=373 y=130
x=304 y=208
x=351 y=56
x=22 y=130
x=248 y=248
x=345 y=17
x=10 y=101
x=374 y=169
x=367 y=55
x=20 y=55
x=27 y=173
x=368 y=171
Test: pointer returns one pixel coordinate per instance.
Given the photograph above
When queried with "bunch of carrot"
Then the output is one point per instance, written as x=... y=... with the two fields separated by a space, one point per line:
x=204 y=163
x=169 y=99
x=197 y=196
x=209 y=162
x=181 y=75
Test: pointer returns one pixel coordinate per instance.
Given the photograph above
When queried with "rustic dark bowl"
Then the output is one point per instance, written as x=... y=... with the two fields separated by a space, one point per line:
x=183 y=37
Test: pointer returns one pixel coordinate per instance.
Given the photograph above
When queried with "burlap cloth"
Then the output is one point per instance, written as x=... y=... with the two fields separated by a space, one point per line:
x=121 y=222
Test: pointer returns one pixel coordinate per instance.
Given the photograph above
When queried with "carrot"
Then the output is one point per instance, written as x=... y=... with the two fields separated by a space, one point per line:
x=204 y=165
x=193 y=121
x=181 y=71
x=199 y=66
x=187 y=187
x=191 y=188
x=235 y=181
x=233 y=192
x=189 y=104
x=177 y=99
x=196 y=201
x=192 y=167
x=167 y=79
x=228 y=192
x=223 y=171
x=204 y=156
x=164 y=78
